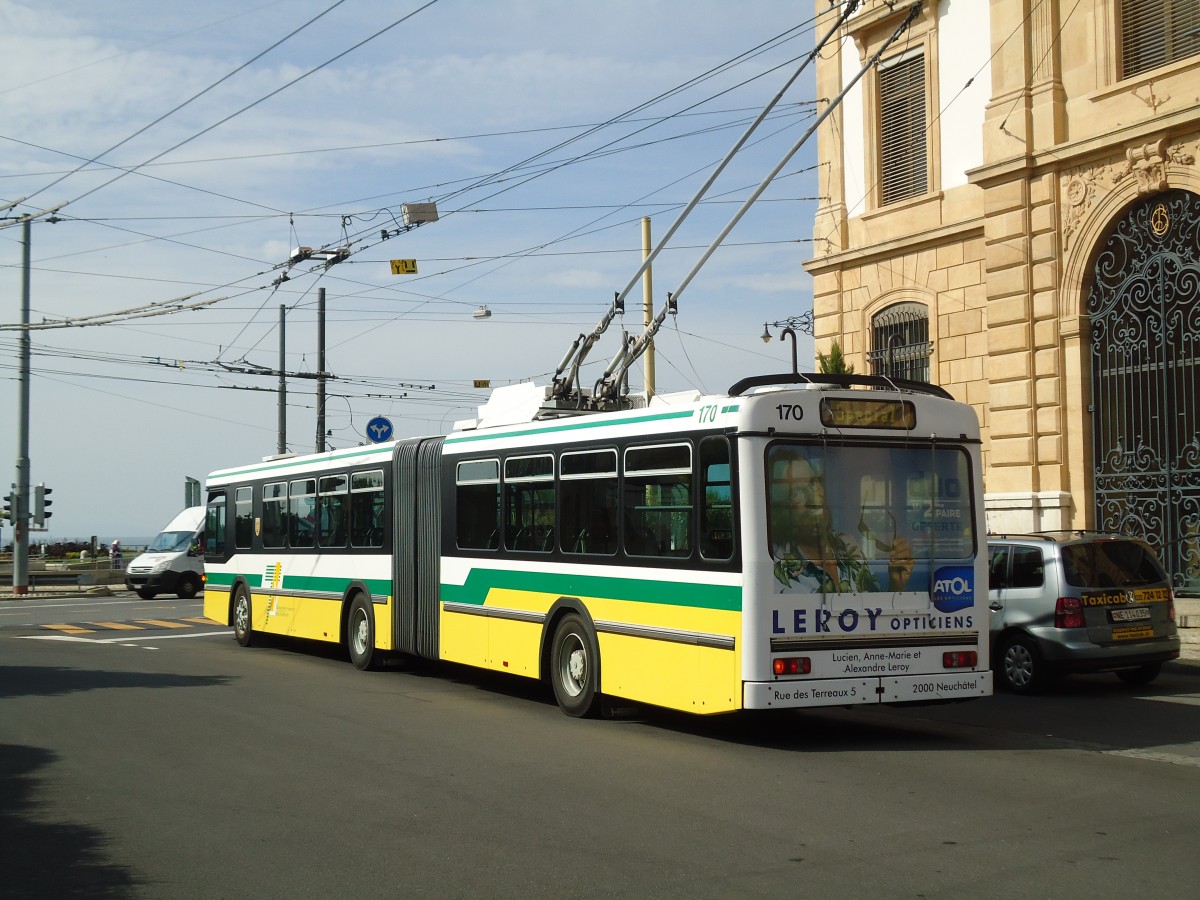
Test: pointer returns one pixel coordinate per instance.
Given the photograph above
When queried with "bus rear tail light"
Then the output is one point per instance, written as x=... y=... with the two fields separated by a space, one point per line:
x=960 y=659
x=1068 y=613
x=793 y=665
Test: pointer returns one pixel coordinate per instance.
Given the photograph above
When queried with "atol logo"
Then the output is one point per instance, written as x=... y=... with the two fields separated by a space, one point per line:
x=953 y=588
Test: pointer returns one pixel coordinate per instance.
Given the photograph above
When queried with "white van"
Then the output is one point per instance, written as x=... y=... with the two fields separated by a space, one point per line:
x=174 y=562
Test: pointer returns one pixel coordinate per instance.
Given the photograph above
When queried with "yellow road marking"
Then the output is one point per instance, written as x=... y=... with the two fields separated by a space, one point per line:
x=202 y=620
x=69 y=629
x=119 y=626
x=162 y=623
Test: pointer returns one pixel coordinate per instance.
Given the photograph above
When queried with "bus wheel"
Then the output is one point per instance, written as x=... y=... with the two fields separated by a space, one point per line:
x=242 y=631
x=575 y=668
x=145 y=594
x=360 y=633
x=188 y=586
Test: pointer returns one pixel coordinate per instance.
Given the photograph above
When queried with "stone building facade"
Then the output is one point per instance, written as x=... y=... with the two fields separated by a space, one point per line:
x=1011 y=208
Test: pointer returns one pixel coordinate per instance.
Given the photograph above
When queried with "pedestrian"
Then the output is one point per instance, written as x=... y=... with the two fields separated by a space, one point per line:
x=114 y=553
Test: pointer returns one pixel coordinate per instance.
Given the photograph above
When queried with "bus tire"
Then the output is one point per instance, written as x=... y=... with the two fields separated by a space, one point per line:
x=575 y=667
x=145 y=594
x=188 y=586
x=243 y=631
x=360 y=633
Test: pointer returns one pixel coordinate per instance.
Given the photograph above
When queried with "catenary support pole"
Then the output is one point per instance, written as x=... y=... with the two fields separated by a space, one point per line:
x=320 y=370
x=282 y=448
x=648 y=306
x=20 y=503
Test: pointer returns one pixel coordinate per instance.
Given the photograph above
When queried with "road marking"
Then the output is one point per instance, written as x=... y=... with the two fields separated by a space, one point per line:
x=117 y=626
x=70 y=629
x=124 y=639
x=1183 y=699
x=1157 y=756
x=162 y=623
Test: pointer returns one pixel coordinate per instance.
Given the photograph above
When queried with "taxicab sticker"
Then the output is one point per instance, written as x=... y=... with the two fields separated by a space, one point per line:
x=1123 y=598
x=1132 y=632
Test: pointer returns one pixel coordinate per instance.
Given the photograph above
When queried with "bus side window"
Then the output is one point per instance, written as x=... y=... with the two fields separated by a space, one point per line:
x=716 y=499
x=588 y=501
x=477 y=504
x=214 y=527
x=366 y=509
x=302 y=505
x=333 y=512
x=243 y=513
x=528 y=502
x=274 y=526
x=658 y=500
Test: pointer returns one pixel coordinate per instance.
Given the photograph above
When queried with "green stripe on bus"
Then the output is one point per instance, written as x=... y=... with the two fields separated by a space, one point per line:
x=637 y=590
x=571 y=426
x=378 y=586
x=382 y=450
x=382 y=586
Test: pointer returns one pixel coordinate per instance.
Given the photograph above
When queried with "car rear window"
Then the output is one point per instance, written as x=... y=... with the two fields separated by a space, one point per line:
x=1105 y=564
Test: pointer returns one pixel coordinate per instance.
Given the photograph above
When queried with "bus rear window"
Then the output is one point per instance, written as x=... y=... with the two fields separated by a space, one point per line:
x=863 y=518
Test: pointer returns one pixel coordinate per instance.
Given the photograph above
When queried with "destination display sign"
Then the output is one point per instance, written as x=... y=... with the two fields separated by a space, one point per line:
x=849 y=412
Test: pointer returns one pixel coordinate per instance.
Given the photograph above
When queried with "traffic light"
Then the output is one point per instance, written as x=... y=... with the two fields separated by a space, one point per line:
x=8 y=507
x=40 y=511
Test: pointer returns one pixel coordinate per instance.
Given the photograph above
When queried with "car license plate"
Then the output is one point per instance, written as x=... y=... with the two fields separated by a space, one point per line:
x=1129 y=615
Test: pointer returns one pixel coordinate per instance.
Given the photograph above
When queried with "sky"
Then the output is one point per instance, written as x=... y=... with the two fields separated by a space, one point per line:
x=192 y=148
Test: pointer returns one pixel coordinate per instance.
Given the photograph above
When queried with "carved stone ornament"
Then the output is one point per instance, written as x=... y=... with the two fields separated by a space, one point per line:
x=1148 y=163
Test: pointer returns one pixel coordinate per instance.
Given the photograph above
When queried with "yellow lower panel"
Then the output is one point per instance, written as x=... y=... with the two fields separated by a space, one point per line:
x=463 y=638
x=492 y=642
x=271 y=614
x=314 y=618
x=693 y=679
x=383 y=624
x=216 y=605
x=513 y=647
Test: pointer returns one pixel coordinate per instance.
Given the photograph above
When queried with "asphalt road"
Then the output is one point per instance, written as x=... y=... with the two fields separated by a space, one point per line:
x=166 y=761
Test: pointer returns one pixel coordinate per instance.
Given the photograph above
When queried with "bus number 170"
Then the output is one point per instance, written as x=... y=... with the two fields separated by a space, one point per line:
x=790 y=412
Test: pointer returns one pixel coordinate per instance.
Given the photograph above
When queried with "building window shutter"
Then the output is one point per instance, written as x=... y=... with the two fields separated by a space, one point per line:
x=900 y=345
x=1157 y=32
x=902 y=126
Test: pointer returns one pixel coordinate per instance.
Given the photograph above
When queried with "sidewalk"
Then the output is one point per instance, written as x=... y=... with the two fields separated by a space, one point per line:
x=1187 y=617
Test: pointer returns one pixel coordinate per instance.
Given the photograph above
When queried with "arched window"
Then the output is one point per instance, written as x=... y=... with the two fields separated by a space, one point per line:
x=900 y=345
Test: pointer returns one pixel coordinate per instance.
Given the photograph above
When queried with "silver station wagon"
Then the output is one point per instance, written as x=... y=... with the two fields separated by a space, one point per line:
x=1064 y=602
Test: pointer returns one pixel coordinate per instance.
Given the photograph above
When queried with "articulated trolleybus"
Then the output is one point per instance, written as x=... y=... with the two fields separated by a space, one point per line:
x=803 y=541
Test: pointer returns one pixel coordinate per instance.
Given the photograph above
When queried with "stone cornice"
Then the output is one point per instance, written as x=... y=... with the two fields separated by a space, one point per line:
x=934 y=237
x=1074 y=153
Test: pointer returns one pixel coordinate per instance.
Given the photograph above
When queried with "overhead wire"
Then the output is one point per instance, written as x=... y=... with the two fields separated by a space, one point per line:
x=260 y=100
x=185 y=103
x=595 y=153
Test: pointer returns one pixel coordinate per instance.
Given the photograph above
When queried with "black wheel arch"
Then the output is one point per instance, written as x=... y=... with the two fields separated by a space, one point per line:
x=561 y=607
x=239 y=581
x=354 y=589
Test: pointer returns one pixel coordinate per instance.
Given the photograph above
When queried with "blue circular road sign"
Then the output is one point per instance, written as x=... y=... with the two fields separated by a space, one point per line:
x=379 y=429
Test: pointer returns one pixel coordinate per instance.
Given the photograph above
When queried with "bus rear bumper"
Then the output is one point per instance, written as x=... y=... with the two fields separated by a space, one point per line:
x=855 y=691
